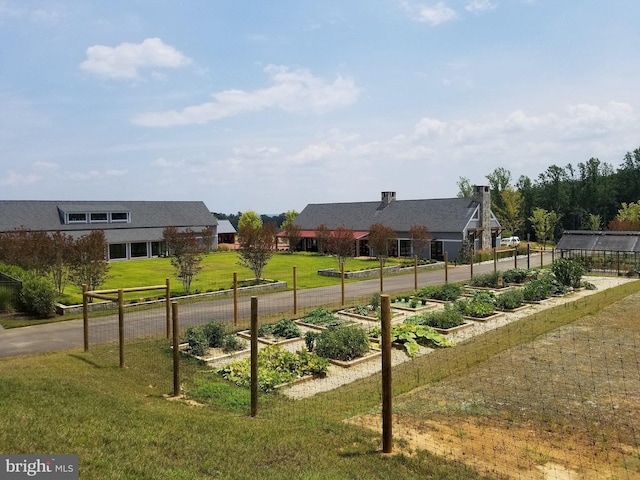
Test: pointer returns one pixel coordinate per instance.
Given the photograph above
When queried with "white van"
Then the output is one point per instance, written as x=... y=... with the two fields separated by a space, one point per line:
x=510 y=242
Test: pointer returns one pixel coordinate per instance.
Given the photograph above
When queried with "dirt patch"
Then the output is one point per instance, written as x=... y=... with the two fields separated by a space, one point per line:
x=565 y=406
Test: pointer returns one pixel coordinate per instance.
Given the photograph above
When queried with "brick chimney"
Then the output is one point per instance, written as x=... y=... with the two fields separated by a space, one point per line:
x=387 y=198
x=482 y=195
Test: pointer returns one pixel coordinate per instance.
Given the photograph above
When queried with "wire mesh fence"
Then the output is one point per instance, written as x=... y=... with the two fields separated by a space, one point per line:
x=545 y=390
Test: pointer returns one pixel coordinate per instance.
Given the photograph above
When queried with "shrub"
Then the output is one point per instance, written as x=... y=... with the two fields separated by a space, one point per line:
x=375 y=301
x=197 y=340
x=448 y=317
x=568 y=272
x=342 y=343
x=310 y=339
x=515 y=275
x=510 y=300
x=214 y=333
x=38 y=296
x=536 y=290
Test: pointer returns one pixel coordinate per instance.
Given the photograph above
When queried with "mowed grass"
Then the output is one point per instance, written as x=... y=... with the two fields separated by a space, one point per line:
x=122 y=427
x=217 y=273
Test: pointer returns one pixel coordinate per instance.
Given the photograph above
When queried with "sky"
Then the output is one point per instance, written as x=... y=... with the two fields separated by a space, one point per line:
x=273 y=105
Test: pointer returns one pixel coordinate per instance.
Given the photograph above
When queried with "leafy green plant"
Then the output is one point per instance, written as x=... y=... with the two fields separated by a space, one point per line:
x=232 y=343
x=215 y=333
x=275 y=367
x=375 y=301
x=568 y=272
x=449 y=317
x=197 y=340
x=310 y=339
x=486 y=280
x=515 y=275
x=510 y=300
x=447 y=292
x=536 y=290
x=284 y=328
x=411 y=336
x=342 y=343
x=480 y=305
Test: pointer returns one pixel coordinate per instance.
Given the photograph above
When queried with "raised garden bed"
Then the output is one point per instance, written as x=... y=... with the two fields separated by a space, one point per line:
x=485 y=319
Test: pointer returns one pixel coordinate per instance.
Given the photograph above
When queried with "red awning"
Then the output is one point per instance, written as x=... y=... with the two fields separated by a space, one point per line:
x=312 y=234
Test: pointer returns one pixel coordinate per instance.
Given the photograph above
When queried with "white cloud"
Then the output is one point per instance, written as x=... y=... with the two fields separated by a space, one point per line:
x=479 y=6
x=14 y=179
x=432 y=14
x=125 y=60
x=291 y=91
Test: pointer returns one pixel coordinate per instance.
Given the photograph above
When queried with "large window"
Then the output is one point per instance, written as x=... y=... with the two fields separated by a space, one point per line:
x=405 y=248
x=77 y=218
x=139 y=250
x=119 y=217
x=156 y=249
x=117 y=251
x=99 y=217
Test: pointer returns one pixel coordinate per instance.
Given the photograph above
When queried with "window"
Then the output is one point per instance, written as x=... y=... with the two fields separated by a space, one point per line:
x=119 y=216
x=139 y=250
x=77 y=218
x=99 y=217
x=156 y=249
x=117 y=251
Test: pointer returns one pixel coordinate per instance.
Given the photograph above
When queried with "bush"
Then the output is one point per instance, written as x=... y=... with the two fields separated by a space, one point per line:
x=510 y=300
x=536 y=290
x=38 y=296
x=215 y=333
x=342 y=343
x=568 y=272
x=197 y=340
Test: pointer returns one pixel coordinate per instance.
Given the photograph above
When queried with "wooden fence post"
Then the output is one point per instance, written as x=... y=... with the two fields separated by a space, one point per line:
x=176 y=350
x=387 y=392
x=254 y=356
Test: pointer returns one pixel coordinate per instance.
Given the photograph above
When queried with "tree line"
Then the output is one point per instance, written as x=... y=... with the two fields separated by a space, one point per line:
x=592 y=195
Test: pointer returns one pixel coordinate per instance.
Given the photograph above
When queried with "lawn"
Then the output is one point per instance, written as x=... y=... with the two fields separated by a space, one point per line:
x=122 y=427
x=217 y=272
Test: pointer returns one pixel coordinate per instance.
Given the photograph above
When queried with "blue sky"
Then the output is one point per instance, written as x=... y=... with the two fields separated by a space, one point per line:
x=269 y=106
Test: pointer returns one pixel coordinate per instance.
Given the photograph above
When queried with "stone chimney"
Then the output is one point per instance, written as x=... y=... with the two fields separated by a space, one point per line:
x=387 y=198
x=482 y=195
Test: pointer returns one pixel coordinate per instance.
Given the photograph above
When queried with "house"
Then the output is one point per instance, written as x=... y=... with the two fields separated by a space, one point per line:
x=449 y=221
x=133 y=229
x=226 y=233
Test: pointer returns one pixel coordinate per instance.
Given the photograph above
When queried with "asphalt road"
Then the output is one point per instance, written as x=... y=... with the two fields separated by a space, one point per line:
x=69 y=335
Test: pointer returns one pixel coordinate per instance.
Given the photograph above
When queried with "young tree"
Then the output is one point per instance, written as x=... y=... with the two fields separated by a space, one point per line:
x=509 y=212
x=249 y=218
x=88 y=260
x=292 y=231
x=256 y=246
x=342 y=245
x=186 y=254
x=420 y=240
x=594 y=222
x=381 y=240
x=322 y=237
x=465 y=189
x=544 y=224
x=62 y=245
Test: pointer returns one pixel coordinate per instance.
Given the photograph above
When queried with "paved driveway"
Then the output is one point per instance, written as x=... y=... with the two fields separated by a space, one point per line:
x=69 y=334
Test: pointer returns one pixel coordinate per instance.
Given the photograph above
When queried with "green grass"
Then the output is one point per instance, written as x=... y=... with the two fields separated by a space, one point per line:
x=217 y=273
x=122 y=427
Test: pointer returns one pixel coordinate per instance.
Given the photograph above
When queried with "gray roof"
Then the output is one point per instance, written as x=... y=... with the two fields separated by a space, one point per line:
x=438 y=215
x=225 y=226
x=147 y=218
x=599 y=241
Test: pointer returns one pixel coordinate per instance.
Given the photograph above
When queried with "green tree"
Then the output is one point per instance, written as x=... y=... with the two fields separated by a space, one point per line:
x=256 y=245
x=594 y=222
x=465 y=189
x=499 y=180
x=249 y=219
x=510 y=212
x=544 y=223
x=291 y=230
x=186 y=254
